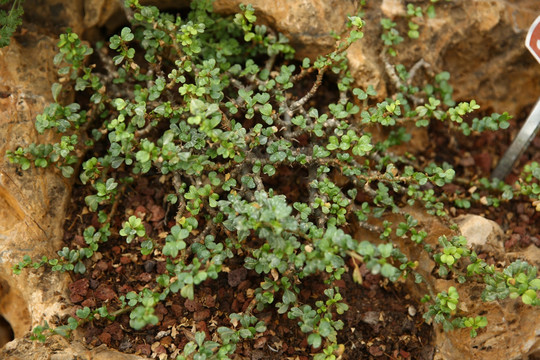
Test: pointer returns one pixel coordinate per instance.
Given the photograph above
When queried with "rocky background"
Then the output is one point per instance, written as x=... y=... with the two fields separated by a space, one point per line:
x=481 y=43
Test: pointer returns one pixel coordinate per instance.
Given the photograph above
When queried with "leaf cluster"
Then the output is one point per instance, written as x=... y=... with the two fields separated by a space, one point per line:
x=217 y=108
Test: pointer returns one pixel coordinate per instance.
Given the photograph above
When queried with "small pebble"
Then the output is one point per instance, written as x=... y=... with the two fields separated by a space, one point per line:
x=149 y=266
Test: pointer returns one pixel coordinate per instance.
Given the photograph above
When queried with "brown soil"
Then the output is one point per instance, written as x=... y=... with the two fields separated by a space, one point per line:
x=378 y=324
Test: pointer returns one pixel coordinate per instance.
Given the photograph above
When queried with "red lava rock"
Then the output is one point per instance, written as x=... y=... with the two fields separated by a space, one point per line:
x=115 y=330
x=161 y=267
x=520 y=230
x=375 y=350
x=319 y=288
x=119 y=270
x=177 y=310
x=78 y=290
x=221 y=293
x=89 y=302
x=160 y=350
x=169 y=322
x=147 y=227
x=525 y=241
x=483 y=161
x=167 y=340
x=125 y=260
x=513 y=241
x=340 y=284
x=201 y=315
x=235 y=306
x=158 y=213
x=102 y=265
x=209 y=301
x=236 y=276
x=260 y=342
x=145 y=277
x=192 y=305
x=241 y=297
x=511 y=179
x=95 y=221
x=143 y=349
x=160 y=311
x=79 y=240
x=140 y=211
x=405 y=354
x=266 y=317
x=244 y=285
x=116 y=250
x=201 y=326
x=305 y=294
x=288 y=349
x=105 y=338
x=183 y=341
x=124 y=289
x=105 y=292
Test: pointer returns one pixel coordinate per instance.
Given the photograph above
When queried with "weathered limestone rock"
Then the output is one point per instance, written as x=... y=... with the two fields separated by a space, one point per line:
x=513 y=330
x=307 y=23
x=32 y=203
x=481 y=44
x=32 y=208
x=458 y=40
x=481 y=233
x=59 y=348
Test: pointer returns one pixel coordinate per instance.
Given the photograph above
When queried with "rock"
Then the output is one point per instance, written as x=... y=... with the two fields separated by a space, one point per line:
x=393 y=8
x=531 y=255
x=56 y=15
x=87 y=18
x=58 y=348
x=29 y=224
x=105 y=292
x=513 y=329
x=307 y=23
x=481 y=233
x=236 y=276
x=78 y=290
x=457 y=40
x=477 y=40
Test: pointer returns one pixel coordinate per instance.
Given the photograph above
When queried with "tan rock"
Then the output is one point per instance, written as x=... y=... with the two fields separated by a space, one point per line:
x=393 y=8
x=481 y=233
x=56 y=15
x=33 y=202
x=59 y=348
x=484 y=41
x=307 y=23
x=513 y=329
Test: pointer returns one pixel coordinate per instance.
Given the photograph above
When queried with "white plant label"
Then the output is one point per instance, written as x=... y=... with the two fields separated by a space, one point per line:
x=532 y=41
